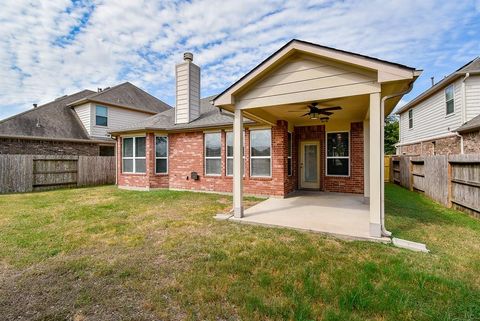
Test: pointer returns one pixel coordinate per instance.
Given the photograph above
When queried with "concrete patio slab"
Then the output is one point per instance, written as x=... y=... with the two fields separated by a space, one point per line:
x=341 y=215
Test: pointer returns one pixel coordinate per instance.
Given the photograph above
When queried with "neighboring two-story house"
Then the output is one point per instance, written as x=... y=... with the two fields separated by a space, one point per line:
x=77 y=124
x=445 y=119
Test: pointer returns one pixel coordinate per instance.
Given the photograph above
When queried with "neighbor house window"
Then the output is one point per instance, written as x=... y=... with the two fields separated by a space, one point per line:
x=260 y=153
x=213 y=154
x=161 y=154
x=229 y=168
x=338 y=154
x=133 y=155
x=289 y=153
x=450 y=105
x=410 y=118
x=101 y=116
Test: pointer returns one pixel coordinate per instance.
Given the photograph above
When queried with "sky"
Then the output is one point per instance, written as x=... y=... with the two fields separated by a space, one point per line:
x=51 y=48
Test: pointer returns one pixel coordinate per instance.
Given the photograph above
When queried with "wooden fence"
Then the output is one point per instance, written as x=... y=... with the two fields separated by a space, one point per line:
x=26 y=173
x=453 y=181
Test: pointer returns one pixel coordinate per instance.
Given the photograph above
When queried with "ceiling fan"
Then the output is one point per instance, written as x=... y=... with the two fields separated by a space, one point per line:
x=316 y=113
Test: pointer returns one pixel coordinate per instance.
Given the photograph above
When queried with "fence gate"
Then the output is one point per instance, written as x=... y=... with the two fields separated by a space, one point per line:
x=51 y=172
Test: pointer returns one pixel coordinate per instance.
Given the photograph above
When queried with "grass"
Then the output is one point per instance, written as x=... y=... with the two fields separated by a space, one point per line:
x=108 y=254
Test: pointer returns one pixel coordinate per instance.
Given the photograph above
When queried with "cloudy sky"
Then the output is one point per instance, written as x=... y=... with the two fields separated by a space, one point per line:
x=55 y=47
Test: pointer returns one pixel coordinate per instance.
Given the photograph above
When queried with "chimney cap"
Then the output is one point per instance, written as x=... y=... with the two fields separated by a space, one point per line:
x=188 y=56
x=35 y=105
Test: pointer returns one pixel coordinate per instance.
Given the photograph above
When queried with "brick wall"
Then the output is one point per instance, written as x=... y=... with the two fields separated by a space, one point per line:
x=442 y=146
x=350 y=184
x=186 y=156
x=44 y=147
x=471 y=142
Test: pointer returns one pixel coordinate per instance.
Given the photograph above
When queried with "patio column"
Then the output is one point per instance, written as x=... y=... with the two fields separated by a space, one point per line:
x=366 y=161
x=375 y=124
x=238 y=164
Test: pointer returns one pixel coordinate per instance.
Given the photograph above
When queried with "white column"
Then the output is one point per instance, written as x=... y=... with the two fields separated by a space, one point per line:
x=238 y=164
x=376 y=170
x=366 y=161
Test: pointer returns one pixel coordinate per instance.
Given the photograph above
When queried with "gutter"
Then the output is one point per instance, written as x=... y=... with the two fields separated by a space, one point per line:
x=382 y=159
x=73 y=140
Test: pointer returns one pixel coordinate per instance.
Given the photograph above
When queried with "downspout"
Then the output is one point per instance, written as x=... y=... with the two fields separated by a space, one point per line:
x=464 y=98
x=461 y=141
x=382 y=159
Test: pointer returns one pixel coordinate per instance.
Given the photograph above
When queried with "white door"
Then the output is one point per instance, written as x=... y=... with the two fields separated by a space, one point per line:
x=310 y=164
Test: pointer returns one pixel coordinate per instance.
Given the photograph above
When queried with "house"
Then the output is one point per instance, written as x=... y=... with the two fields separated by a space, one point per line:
x=308 y=117
x=77 y=124
x=445 y=119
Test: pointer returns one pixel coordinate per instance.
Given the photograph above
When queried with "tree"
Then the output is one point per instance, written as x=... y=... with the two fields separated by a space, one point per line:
x=391 y=134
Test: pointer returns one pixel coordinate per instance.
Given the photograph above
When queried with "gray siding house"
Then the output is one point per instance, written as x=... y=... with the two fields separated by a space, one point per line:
x=445 y=119
x=77 y=124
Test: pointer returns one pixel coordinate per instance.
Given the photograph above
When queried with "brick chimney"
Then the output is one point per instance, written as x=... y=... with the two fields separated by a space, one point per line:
x=187 y=103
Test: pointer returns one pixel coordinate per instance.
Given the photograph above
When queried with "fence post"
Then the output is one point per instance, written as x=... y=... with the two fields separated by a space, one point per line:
x=410 y=176
x=449 y=183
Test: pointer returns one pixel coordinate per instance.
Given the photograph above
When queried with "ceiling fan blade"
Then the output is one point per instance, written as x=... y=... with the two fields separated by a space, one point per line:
x=296 y=111
x=331 y=108
x=328 y=113
x=305 y=114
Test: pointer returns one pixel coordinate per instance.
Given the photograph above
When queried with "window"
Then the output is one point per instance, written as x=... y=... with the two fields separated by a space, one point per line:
x=449 y=95
x=107 y=151
x=101 y=116
x=410 y=118
x=229 y=168
x=260 y=153
x=161 y=154
x=133 y=155
x=289 y=160
x=338 y=154
x=213 y=154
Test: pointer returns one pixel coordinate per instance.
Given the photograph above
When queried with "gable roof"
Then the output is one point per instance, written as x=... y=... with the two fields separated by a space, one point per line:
x=471 y=125
x=210 y=116
x=296 y=42
x=472 y=66
x=51 y=120
x=128 y=96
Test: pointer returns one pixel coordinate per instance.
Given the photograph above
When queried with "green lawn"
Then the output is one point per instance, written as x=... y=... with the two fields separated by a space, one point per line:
x=108 y=254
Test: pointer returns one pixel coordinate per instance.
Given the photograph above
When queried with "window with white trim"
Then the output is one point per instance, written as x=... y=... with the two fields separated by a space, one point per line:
x=213 y=153
x=229 y=157
x=101 y=116
x=133 y=155
x=338 y=154
x=261 y=153
x=289 y=154
x=161 y=154
x=449 y=100
x=410 y=118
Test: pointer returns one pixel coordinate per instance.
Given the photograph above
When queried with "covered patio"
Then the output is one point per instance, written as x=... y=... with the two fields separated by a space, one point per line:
x=339 y=143
x=339 y=214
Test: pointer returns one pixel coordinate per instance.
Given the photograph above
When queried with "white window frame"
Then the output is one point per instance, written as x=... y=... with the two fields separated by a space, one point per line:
x=205 y=157
x=134 y=157
x=289 y=157
x=261 y=157
x=446 y=101
x=101 y=116
x=341 y=157
x=410 y=118
x=165 y=157
x=231 y=157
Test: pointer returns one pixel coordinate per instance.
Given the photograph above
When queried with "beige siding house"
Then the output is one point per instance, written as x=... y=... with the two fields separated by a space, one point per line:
x=432 y=123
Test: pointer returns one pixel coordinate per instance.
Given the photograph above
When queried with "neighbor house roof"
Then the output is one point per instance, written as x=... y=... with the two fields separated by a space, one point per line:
x=210 y=116
x=471 y=125
x=472 y=66
x=128 y=96
x=51 y=120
